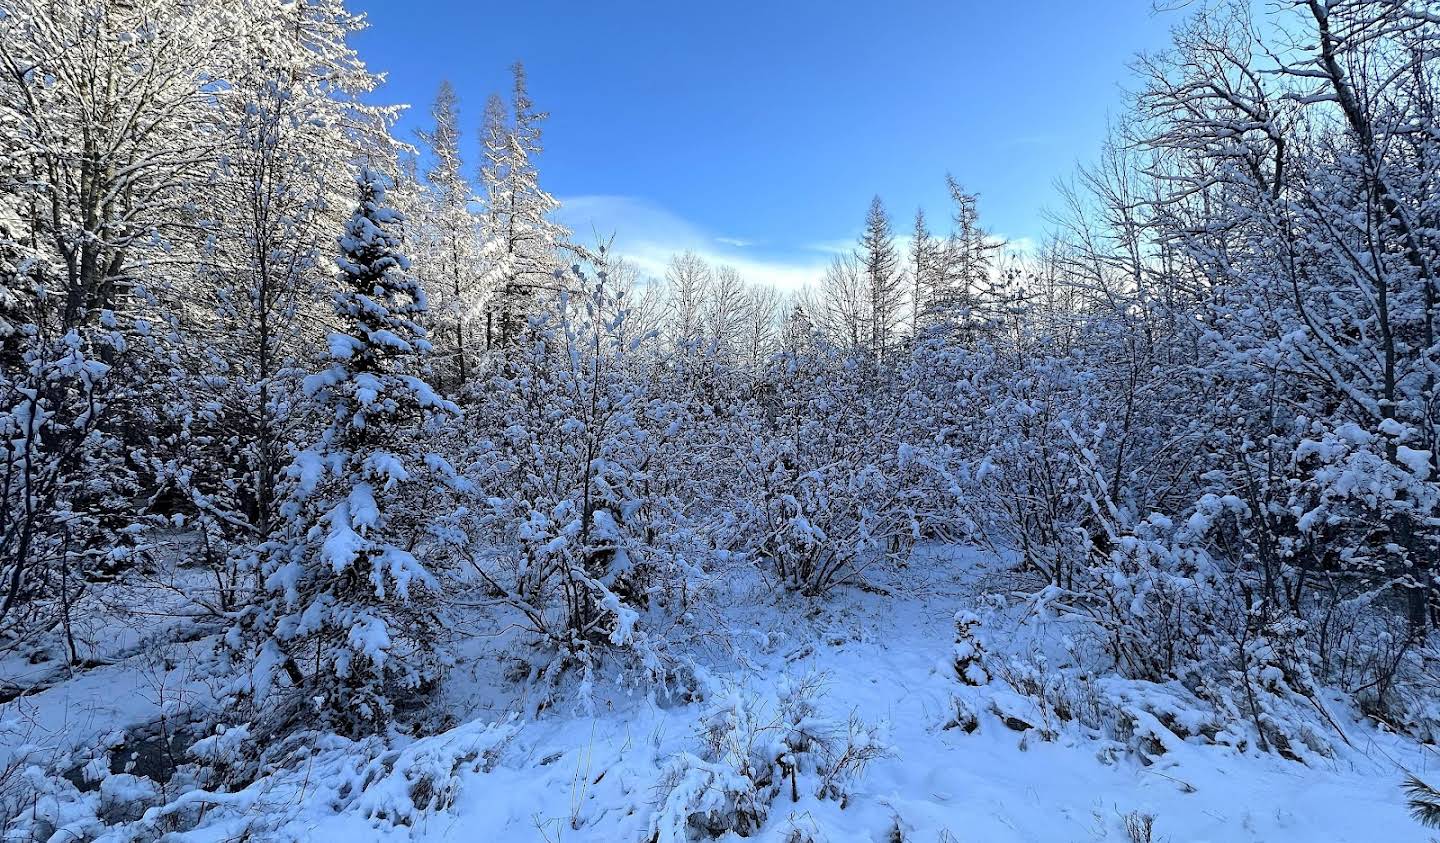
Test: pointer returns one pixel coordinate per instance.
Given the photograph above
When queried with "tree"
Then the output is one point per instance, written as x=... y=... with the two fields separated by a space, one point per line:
x=290 y=120
x=343 y=614
x=725 y=311
x=450 y=263
x=520 y=239
x=884 y=290
x=965 y=264
x=1318 y=282
x=844 y=313
x=165 y=174
x=109 y=120
x=761 y=328
x=924 y=266
x=688 y=280
x=798 y=332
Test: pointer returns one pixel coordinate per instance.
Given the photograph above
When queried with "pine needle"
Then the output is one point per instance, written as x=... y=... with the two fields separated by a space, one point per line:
x=1424 y=802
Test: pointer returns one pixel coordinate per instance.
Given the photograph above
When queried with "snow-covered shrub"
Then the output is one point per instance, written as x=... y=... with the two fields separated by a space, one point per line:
x=1145 y=587
x=426 y=776
x=969 y=651
x=1139 y=827
x=580 y=532
x=42 y=806
x=63 y=475
x=754 y=754
x=125 y=796
x=962 y=714
x=969 y=672
x=1266 y=680
x=706 y=800
x=297 y=782
x=1025 y=474
x=833 y=490
x=1213 y=703
x=861 y=744
x=1405 y=691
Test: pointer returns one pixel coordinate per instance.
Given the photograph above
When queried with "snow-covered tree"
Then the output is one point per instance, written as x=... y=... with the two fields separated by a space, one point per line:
x=345 y=616
x=108 y=119
x=725 y=311
x=760 y=328
x=521 y=241
x=883 y=280
x=688 y=282
x=449 y=259
x=964 y=265
x=924 y=269
x=240 y=319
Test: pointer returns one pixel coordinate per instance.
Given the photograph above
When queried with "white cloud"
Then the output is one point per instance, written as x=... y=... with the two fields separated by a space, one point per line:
x=647 y=235
x=832 y=247
x=1020 y=246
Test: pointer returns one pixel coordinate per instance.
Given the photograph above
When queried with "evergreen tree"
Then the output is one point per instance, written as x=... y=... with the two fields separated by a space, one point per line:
x=799 y=329
x=343 y=613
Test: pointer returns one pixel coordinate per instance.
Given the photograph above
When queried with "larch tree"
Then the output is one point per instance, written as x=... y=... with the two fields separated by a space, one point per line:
x=883 y=279
x=966 y=260
x=450 y=264
x=520 y=239
x=923 y=268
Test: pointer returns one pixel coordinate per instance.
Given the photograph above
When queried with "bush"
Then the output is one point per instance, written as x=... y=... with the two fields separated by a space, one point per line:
x=752 y=754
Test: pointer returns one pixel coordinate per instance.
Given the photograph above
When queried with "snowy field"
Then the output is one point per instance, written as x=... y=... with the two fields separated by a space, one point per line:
x=880 y=668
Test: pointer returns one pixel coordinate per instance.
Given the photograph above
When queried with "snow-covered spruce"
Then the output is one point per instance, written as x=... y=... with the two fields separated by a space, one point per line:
x=345 y=621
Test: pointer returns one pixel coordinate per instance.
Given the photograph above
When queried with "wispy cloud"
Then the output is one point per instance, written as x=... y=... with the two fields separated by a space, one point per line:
x=831 y=247
x=647 y=235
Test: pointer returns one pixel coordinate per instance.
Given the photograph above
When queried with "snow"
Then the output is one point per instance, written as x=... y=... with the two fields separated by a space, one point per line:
x=342 y=543
x=144 y=660
x=1416 y=460
x=637 y=767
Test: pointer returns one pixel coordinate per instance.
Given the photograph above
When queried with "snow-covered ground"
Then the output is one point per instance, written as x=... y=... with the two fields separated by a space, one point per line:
x=140 y=645
x=574 y=774
x=884 y=659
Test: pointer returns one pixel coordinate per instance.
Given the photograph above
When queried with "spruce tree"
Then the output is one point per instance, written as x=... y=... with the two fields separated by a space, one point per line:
x=343 y=613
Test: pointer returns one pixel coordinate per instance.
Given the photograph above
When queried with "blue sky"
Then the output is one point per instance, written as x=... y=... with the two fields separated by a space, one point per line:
x=756 y=132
